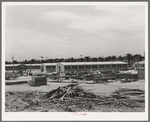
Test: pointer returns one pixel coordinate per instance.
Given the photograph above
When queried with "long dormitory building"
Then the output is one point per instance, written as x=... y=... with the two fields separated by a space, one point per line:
x=69 y=66
x=94 y=66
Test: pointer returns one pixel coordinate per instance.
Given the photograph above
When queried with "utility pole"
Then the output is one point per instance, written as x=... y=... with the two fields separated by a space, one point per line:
x=81 y=58
x=46 y=59
x=42 y=64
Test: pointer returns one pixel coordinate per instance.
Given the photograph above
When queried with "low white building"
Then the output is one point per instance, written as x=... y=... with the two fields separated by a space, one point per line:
x=94 y=66
x=140 y=67
x=50 y=67
x=140 y=64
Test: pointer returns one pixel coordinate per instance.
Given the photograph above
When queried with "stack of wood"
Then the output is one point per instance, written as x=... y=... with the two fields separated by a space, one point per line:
x=79 y=97
x=69 y=91
x=126 y=75
x=126 y=80
x=88 y=77
x=129 y=97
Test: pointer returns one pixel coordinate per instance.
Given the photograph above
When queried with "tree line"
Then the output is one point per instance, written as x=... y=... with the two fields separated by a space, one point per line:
x=127 y=58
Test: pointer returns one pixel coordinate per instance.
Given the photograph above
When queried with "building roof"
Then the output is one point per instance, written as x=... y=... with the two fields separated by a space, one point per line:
x=33 y=64
x=141 y=62
x=11 y=65
x=71 y=63
x=92 y=63
x=50 y=64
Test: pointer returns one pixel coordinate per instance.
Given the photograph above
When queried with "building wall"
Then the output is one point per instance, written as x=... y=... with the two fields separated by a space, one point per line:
x=63 y=68
x=10 y=68
x=140 y=67
x=22 y=68
x=50 y=69
x=93 y=67
x=141 y=73
x=16 y=68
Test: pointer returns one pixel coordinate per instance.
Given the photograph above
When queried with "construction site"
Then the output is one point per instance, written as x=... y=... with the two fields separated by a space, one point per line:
x=75 y=87
x=79 y=61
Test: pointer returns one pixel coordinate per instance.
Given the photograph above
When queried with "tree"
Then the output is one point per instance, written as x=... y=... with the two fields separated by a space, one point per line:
x=100 y=59
x=33 y=61
x=113 y=58
x=138 y=57
x=15 y=62
x=87 y=58
x=7 y=62
x=108 y=58
x=120 y=58
x=25 y=62
x=94 y=59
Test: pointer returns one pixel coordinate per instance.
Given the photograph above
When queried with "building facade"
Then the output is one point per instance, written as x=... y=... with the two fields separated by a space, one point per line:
x=22 y=67
x=50 y=67
x=140 y=67
x=69 y=66
x=94 y=66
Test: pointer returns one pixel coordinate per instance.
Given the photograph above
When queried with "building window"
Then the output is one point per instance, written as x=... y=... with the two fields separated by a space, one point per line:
x=89 y=66
x=86 y=66
x=68 y=67
x=82 y=67
x=95 y=66
x=72 y=67
x=79 y=67
x=75 y=67
x=65 y=67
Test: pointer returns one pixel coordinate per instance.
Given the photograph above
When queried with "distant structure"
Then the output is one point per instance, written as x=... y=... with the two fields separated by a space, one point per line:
x=69 y=66
x=84 y=66
x=50 y=67
x=140 y=67
x=22 y=67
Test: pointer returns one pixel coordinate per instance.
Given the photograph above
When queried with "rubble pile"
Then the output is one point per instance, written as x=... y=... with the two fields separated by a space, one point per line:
x=18 y=101
x=70 y=91
x=73 y=98
x=127 y=80
x=129 y=97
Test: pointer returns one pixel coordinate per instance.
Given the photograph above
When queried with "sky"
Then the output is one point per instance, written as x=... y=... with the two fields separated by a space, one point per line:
x=70 y=31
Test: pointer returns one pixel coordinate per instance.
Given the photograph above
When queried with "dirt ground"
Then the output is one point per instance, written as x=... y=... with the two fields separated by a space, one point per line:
x=104 y=89
x=101 y=89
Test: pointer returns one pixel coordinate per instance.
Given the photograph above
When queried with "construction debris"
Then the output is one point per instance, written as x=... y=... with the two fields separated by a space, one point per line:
x=10 y=75
x=70 y=91
x=73 y=98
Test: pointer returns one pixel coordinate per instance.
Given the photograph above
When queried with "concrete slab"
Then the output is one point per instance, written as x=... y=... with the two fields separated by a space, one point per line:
x=19 y=80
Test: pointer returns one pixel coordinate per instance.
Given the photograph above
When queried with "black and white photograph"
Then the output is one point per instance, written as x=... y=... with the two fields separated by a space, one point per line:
x=75 y=61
